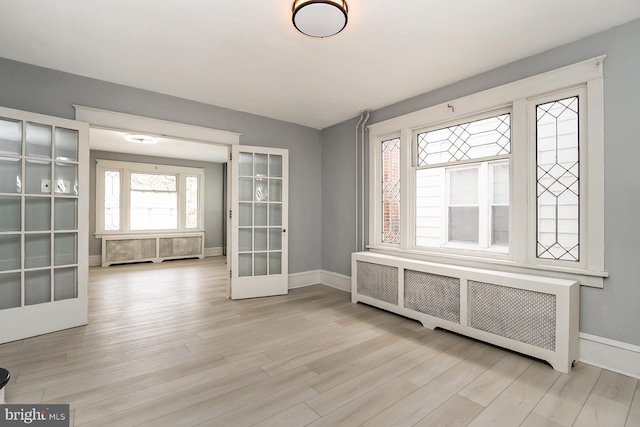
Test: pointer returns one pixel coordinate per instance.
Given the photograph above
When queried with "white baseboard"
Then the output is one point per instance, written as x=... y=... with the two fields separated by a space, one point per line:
x=95 y=260
x=308 y=278
x=335 y=280
x=611 y=355
x=212 y=252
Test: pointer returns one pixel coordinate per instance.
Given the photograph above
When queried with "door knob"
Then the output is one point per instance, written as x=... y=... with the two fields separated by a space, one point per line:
x=284 y=230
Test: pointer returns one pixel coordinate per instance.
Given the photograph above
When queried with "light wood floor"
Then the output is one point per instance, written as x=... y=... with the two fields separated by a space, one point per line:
x=164 y=347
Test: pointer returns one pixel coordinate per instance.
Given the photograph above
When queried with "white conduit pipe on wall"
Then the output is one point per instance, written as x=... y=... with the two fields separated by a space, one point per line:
x=357 y=147
x=360 y=174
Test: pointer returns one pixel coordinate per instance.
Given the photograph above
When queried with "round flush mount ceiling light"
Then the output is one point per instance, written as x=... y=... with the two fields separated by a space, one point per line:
x=320 y=18
x=141 y=139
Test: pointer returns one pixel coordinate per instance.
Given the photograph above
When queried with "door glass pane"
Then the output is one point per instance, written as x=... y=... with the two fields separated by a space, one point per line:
x=37 y=214
x=261 y=166
x=9 y=290
x=275 y=165
x=260 y=214
x=10 y=136
x=275 y=239
x=10 y=175
x=111 y=200
x=10 y=213
x=38 y=140
x=192 y=202
x=38 y=174
x=275 y=190
x=9 y=252
x=65 y=249
x=244 y=265
x=66 y=216
x=66 y=143
x=260 y=239
x=245 y=192
x=37 y=250
x=246 y=164
x=37 y=287
x=66 y=179
x=245 y=243
x=245 y=219
x=275 y=214
x=275 y=262
x=65 y=283
x=262 y=191
x=260 y=264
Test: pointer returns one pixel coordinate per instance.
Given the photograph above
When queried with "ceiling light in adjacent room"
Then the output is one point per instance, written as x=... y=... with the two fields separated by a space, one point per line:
x=320 y=18
x=141 y=139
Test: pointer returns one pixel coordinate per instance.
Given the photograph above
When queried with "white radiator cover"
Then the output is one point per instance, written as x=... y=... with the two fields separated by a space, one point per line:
x=157 y=248
x=533 y=315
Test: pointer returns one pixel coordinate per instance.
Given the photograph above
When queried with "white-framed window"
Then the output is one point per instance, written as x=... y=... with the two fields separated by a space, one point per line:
x=141 y=197
x=510 y=178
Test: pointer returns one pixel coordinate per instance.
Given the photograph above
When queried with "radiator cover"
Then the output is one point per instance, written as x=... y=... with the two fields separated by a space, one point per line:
x=534 y=315
x=119 y=249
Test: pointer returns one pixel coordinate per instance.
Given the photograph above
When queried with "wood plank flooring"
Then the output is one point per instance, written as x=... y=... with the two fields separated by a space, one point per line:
x=165 y=347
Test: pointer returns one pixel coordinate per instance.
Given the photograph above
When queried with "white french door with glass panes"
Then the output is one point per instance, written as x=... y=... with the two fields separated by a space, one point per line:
x=44 y=166
x=258 y=247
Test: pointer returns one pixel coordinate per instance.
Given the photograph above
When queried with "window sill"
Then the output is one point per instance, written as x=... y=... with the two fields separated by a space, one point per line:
x=594 y=279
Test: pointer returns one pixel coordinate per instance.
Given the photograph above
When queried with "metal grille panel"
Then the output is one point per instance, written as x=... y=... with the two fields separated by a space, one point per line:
x=432 y=294
x=518 y=314
x=378 y=281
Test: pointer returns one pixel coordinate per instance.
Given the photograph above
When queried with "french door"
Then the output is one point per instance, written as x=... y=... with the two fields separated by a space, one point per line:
x=258 y=218
x=44 y=179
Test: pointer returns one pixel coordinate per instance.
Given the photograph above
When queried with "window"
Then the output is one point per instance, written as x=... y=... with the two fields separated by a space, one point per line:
x=497 y=179
x=138 y=197
x=461 y=184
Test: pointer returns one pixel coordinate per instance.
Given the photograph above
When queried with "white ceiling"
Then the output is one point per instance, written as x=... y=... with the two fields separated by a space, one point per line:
x=113 y=140
x=247 y=56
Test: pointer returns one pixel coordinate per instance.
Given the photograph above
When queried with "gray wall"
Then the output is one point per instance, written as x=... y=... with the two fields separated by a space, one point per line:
x=213 y=198
x=612 y=312
x=45 y=91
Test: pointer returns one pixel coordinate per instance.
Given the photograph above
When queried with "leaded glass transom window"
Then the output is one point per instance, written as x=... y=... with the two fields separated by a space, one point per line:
x=558 y=180
x=391 y=191
x=467 y=141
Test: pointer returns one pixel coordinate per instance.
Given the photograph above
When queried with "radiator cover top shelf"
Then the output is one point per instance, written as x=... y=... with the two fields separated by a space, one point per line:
x=529 y=314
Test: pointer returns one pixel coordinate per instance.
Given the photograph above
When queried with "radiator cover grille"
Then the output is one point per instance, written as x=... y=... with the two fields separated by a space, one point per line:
x=432 y=294
x=378 y=281
x=518 y=314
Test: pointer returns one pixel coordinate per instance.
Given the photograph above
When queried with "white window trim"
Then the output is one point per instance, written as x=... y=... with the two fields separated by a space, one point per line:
x=125 y=169
x=517 y=96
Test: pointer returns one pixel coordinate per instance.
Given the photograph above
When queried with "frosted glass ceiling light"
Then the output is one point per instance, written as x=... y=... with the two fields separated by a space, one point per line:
x=141 y=139
x=320 y=18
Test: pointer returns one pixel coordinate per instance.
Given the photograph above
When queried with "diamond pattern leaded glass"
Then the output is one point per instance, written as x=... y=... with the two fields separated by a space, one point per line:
x=153 y=182
x=558 y=180
x=391 y=191
x=473 y=140
x=112 y=200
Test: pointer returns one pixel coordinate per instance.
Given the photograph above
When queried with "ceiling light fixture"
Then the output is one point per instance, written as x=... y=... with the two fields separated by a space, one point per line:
x=141 y=139
x=320 y=18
